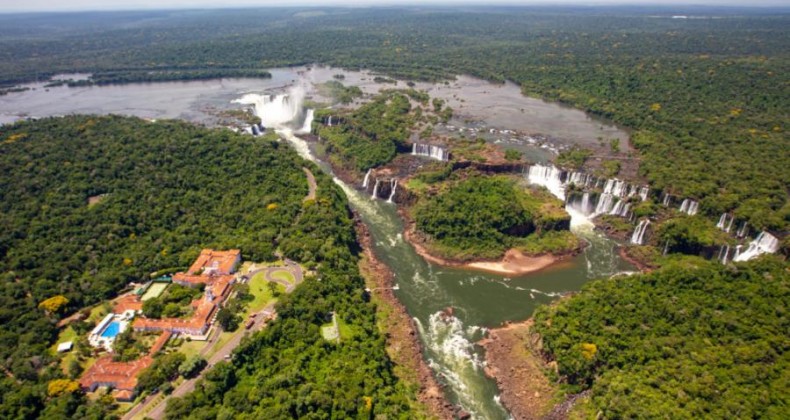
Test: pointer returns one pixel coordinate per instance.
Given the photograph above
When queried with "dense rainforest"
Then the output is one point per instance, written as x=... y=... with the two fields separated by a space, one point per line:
x=694 y=339
x=706 y=97
x=89 y=204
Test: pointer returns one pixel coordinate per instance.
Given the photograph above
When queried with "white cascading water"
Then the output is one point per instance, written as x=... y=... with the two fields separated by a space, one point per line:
x=329 y=121
x=643 y=193
x=307 y=126
x=722 y=221
x=429 y=150
x=367 y=178
x=742 y=231
x=276 y=110
x=765 y=243
x=605 y=204
x=638 y=237
x=665 y=201
x=548 y=176
x=724 y=252
x=689 y=207
x=393 y=187
x=375 y=190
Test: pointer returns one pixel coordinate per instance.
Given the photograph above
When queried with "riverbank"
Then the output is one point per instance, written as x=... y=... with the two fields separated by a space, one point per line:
x=403 y=344
x=525 y=389
x=513 y=263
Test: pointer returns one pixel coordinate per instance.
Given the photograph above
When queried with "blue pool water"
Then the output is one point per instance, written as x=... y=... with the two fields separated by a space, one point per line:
x=112 y=330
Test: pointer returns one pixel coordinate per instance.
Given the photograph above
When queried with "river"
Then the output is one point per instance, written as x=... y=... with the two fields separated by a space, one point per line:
x=479 y=300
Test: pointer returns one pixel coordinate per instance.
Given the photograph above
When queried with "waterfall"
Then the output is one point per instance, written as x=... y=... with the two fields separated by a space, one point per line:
x=605 y=204
x=394 y=186
x=724 y=252
x=367 y=177
x=643 y=193
x=276 y=110
x=638 y=237
x=765 y=243
x=665 y=201
x=723 y=224
x=375 y=190
x=431 y=151
x=307 y=126
x=742 y=231
x=666 y=247
x=737 y=252
x=722 y=221
x=621 y=208
x=729 y=226
x=329 y=122
x=547 y=176
x=689 y=207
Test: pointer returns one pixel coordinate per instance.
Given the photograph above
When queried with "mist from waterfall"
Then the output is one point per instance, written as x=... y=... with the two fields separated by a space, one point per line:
x=278 y=111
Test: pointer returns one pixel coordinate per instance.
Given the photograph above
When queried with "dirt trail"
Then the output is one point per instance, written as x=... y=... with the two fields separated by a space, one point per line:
x=311 y=184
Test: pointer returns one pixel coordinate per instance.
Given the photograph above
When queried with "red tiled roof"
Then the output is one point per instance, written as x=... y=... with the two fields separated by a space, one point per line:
x=123 y=395
x=127 y=302
x=221 y=261
x=120 y=375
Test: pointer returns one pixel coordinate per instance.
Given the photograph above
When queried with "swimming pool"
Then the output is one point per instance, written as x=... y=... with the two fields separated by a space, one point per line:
x=113 y=329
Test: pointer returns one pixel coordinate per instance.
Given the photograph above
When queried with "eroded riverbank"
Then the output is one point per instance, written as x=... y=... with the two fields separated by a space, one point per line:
x=403 y=344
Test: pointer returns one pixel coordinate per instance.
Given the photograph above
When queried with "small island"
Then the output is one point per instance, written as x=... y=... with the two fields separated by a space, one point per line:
x=493 y=223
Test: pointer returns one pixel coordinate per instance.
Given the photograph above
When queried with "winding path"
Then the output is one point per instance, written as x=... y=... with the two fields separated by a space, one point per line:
x=311 y=185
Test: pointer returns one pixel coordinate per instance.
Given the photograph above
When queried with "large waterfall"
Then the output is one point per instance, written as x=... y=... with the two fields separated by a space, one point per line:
x=276 y=110
x=614 y=200
x=431 y=151
x=765 y=243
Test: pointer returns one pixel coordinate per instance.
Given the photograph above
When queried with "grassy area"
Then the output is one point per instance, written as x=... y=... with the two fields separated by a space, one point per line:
x=329 y=332
x=66 y=334
x=284 y=275
x=192 y=348
x=99 y=311
x=345 y=330
x=416 y=185
x=262 y=295
x=223 y=339
x=155 y=290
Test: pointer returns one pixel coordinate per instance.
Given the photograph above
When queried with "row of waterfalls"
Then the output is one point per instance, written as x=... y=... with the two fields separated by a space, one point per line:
x=382 y=187
x=431 y=151
x=584 y=194
x=591 y=196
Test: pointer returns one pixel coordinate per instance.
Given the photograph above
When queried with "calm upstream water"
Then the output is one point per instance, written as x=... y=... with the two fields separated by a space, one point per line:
x=479 y=300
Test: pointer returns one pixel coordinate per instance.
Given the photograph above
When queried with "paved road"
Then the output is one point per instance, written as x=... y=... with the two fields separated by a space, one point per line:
x=158 y=412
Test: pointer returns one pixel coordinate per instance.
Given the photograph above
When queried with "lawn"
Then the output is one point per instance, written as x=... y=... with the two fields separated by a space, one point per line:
x=284 y=275
x=261 y=293
x=155 y=290
x=192 y=348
